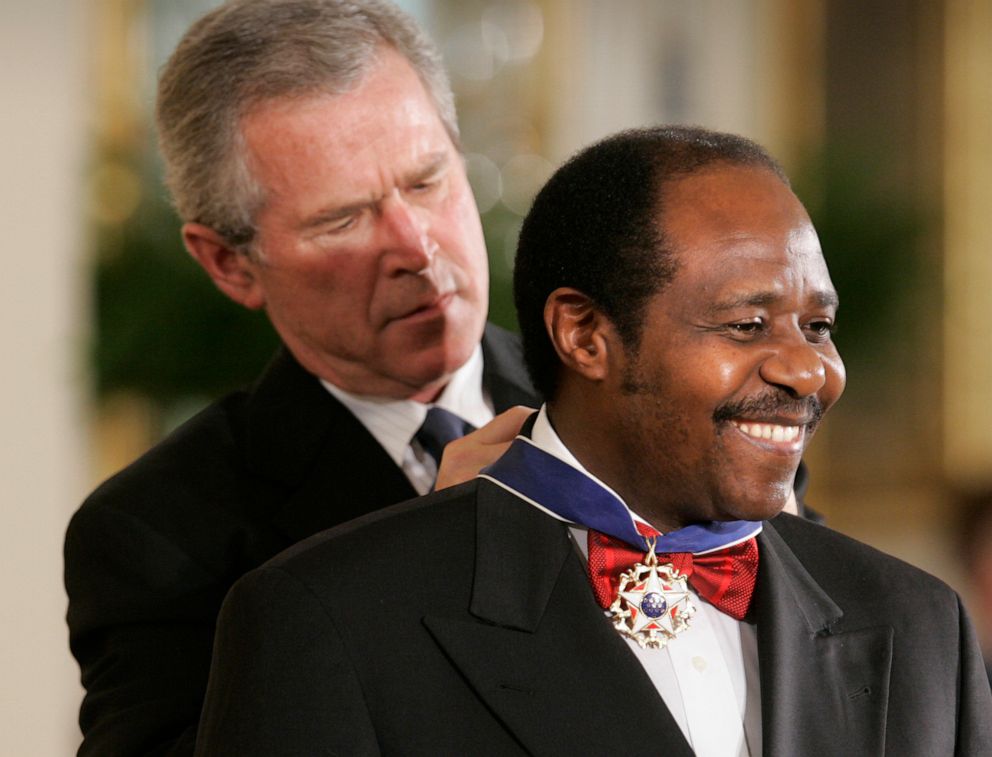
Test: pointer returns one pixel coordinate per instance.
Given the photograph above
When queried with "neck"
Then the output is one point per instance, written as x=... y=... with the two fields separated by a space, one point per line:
x=573 y=416
x=429 y=393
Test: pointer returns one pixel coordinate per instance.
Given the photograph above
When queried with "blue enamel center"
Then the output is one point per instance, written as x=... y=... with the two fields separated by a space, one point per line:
x=653 y=605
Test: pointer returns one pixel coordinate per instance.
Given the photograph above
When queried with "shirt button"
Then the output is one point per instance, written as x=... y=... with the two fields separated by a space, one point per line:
x=699 y=663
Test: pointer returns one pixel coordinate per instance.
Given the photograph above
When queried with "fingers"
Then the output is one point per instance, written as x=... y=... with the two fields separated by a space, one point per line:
x=465 y=457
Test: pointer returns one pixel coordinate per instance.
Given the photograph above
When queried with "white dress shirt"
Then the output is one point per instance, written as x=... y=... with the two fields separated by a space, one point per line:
x=394 y=423
x=708 y=675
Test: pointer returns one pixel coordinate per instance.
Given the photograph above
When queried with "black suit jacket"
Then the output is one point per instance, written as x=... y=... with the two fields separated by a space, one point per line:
x=152 y=552
x=463 y=623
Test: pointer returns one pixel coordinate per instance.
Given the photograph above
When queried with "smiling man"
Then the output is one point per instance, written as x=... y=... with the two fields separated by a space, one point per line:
x=737 y=365
x=621 y=580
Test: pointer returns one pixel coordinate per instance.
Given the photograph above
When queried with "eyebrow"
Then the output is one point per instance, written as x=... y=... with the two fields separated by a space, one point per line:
x=329 y=215
x=436 y=162
x=822 y=298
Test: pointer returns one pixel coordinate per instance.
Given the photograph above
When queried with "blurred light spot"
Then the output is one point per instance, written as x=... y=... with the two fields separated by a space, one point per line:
x=496 y=44
x=484 y=176
x=521 y=24
x=523 y=176
x=471 y=56
x=499 y=131
x=115 y=191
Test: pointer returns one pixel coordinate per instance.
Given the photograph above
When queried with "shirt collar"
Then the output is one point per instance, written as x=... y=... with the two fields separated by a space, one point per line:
x=544 y=436
x=393 y=422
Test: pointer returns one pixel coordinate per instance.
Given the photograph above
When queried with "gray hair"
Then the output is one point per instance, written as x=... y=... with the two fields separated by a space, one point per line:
x=250 y=51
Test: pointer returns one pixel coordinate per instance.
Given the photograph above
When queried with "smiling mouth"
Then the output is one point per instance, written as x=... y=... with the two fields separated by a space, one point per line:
x=773 y=422
x=770 y=431
x=782 y=438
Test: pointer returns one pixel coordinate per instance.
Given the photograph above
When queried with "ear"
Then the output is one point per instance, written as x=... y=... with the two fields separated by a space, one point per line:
x=234 y=273
x=580 y=333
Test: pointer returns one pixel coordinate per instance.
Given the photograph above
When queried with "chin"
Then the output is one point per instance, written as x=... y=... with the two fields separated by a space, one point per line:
x=430 y=370
x=453 y=354
x=749 y=507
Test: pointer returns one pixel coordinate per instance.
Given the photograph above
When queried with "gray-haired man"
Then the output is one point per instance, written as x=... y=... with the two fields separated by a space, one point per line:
x=312 y=152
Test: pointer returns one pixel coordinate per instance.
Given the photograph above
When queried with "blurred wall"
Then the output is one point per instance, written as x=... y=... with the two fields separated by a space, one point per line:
x=968 y=241
x=43 y=460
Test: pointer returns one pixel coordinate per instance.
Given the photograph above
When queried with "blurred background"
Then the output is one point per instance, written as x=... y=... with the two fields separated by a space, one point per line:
x=880 y=110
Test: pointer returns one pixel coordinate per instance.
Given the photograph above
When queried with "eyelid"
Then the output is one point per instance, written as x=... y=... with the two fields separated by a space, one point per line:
x=830 y=324
x=820 y=330
x=746 y=327
x=336 y=223
x=755 y=320
x=430 y=180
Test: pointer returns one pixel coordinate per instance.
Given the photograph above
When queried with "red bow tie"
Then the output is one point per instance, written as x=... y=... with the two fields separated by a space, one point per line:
x=724 y=578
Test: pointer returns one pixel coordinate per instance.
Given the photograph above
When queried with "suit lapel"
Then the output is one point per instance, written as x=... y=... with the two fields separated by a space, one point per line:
x=333 y=468
x=822 y=690
x=351 y=476
x=539 y=651
x=309 y=444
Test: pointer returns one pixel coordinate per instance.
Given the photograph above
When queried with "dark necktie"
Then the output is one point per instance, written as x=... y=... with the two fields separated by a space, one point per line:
x=441 y=427
x=725 y=578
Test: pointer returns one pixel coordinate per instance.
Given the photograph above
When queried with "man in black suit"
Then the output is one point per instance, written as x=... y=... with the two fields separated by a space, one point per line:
x=677 y=312
x=312 y=152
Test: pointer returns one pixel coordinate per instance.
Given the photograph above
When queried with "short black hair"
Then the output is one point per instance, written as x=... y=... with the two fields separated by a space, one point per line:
x=595 y=227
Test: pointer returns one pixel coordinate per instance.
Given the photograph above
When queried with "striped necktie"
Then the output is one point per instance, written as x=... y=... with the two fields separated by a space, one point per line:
x=440 y=427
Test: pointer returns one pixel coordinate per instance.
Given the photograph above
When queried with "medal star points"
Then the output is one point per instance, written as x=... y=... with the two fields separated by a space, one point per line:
x=653 y=604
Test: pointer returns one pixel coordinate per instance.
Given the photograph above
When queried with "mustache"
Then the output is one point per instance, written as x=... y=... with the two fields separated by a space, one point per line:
x=771 y=404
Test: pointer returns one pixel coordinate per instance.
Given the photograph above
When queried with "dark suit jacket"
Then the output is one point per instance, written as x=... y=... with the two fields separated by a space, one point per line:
x=152 y=552
x=463 y=624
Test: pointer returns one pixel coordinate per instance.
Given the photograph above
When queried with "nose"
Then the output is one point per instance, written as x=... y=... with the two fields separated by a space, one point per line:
x=796 y=366
x=409 y=247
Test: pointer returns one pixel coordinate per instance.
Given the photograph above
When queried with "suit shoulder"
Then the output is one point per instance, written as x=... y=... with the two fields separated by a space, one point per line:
x=199 y=450
x=186 y=494
x=411 y=531
x=205 y=456
x=497 y=335
x=841 y=562
x=505 y=351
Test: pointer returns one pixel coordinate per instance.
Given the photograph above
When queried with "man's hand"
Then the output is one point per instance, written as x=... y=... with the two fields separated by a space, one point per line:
x=465 y=457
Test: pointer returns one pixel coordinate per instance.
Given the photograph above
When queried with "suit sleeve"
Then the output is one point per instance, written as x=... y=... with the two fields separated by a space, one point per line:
x=281 y=682
x=975 y=711
x=141 y=618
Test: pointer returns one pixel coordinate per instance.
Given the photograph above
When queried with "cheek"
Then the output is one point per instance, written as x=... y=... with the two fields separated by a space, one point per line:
x=727 y=375
x=329 y=288
x=656 y=410
x=721 y=372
